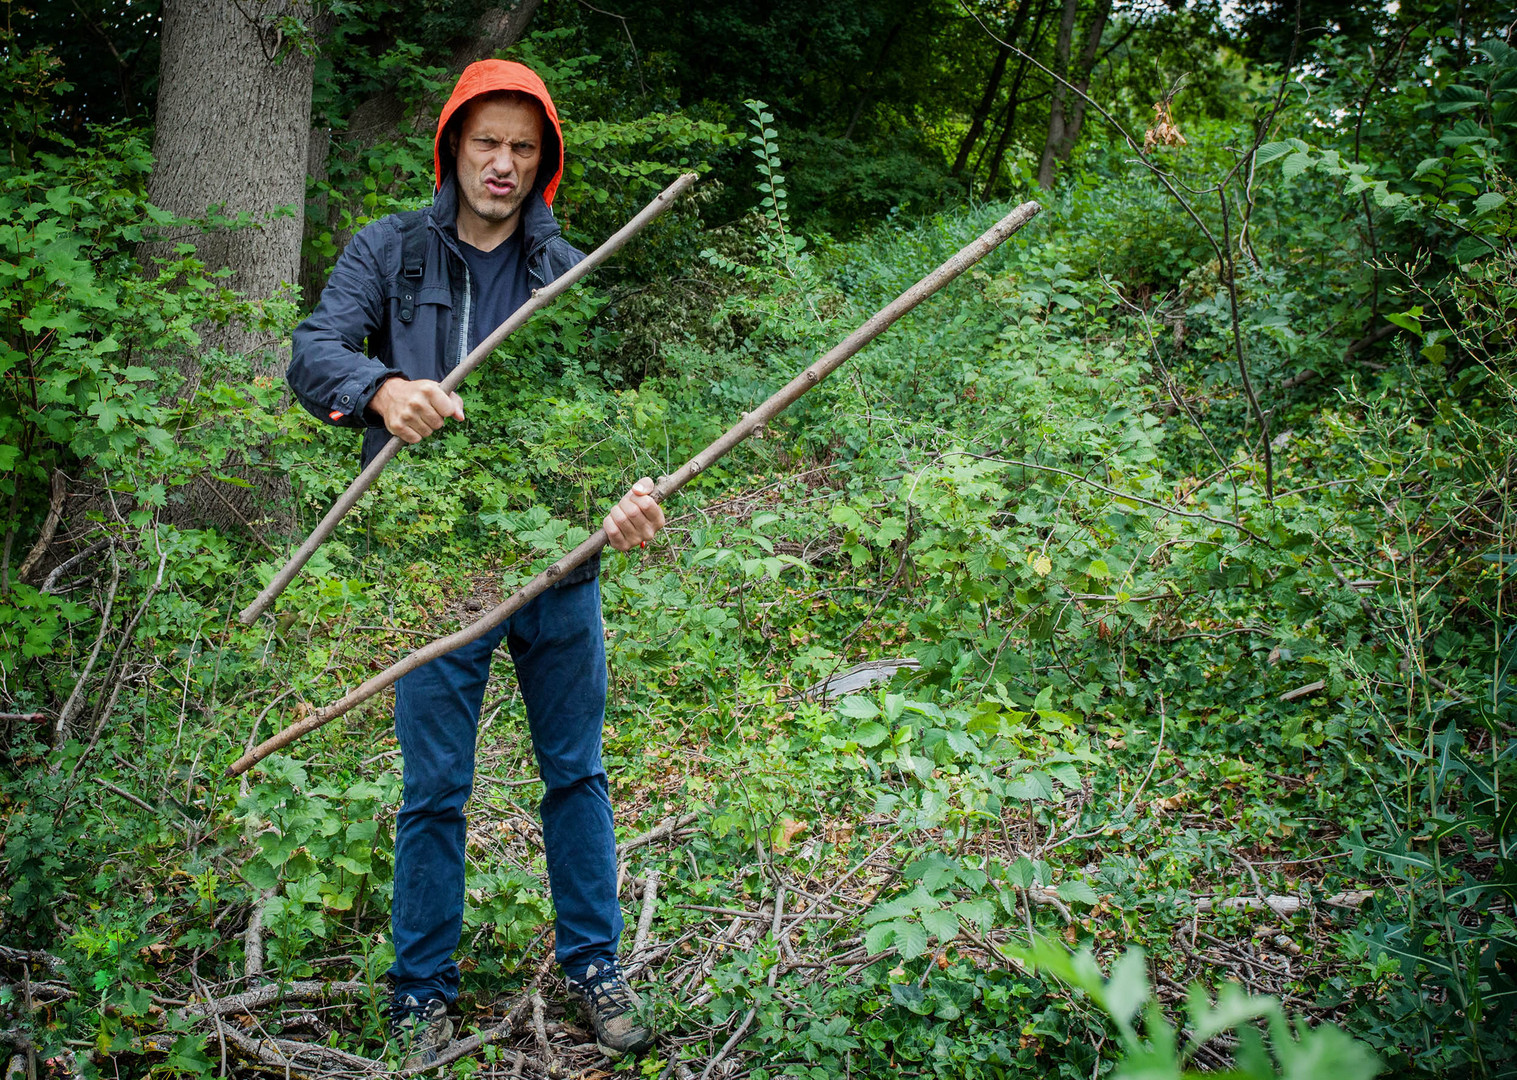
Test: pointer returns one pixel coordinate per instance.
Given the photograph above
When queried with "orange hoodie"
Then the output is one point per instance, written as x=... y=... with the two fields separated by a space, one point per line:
x=487 y=76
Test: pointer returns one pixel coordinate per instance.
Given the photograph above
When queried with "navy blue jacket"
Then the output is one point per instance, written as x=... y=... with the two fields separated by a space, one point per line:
x=355 y=340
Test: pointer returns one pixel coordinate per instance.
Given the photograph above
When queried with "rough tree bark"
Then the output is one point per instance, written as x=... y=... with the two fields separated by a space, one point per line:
x=232 y=130
x=377 y=119
x=1066 y=110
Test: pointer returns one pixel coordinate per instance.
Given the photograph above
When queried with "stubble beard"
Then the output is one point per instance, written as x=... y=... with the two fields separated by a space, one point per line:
x=495 y=209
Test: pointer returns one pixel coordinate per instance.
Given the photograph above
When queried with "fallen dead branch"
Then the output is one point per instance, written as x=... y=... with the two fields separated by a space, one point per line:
x=644 y=922
x=659 y=832
x=49 y=527
x=1283 y=905
x=260 y=996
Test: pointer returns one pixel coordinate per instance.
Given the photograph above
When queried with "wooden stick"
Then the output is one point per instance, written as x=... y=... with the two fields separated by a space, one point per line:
x=49 y=526
x=659 y=832
x=635 y=958
x=750 y=424
x=541 y=298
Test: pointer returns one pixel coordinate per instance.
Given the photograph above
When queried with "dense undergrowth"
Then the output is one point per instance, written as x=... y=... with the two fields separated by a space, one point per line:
x=1264 y=740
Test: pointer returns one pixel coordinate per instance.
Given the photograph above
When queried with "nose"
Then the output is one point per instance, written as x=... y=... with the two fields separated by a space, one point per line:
x=503 y=163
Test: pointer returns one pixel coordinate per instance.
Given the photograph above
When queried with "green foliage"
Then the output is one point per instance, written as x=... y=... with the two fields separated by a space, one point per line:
x=1157 y=1053
x=1039 y=497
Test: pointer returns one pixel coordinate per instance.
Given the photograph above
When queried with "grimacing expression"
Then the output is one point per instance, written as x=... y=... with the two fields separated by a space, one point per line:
x=498 y=148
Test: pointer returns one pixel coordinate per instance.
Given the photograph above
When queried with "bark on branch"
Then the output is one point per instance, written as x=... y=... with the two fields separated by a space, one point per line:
x=750 y=424
x=541 y=298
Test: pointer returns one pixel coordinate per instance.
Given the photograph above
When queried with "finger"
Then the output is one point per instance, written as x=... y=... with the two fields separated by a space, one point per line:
x=632 y=510
x=644 y=486
x=424 y=417
x=614 y=535
x=439 y=401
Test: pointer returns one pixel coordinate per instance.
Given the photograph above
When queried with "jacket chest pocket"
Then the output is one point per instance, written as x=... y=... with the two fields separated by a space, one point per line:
x=421 y=345
x=406 y=296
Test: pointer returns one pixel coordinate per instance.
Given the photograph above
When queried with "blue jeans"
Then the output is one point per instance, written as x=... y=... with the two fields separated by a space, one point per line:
x=558 y=646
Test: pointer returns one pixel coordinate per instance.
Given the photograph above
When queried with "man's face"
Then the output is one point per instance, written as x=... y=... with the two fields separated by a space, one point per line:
x=498 y=148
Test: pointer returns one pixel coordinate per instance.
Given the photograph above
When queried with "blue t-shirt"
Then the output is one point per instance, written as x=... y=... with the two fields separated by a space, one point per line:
x=499 y=285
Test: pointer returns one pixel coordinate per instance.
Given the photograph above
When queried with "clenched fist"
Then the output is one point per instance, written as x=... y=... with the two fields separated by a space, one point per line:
x=414 y=408
x=636 y=519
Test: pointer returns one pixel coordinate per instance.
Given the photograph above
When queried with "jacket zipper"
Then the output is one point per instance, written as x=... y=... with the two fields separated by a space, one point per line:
x=463 y=332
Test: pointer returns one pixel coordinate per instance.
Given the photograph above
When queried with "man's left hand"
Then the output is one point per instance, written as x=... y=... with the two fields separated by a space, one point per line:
x=636 y=519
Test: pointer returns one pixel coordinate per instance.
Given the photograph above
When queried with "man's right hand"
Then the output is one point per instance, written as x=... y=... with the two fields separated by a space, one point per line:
x=414 y=408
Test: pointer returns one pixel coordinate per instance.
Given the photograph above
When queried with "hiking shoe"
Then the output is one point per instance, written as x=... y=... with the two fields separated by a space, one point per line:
x=419 y=1029
x=614 y=1009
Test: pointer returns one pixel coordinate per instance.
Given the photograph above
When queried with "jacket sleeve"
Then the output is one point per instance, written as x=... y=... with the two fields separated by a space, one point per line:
x=330 y=373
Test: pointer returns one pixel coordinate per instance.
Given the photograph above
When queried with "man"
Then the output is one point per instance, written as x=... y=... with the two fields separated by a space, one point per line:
x=410 y=296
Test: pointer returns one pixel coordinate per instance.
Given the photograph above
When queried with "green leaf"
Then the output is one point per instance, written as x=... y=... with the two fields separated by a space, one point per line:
x=1233 y=1007
x=1295 y=165
x=941 y=924
x=878 y=937
x=857 y=707
x=259 y=874
x=1488 y=202
x=1127 y=987
x=910 y=939
x=1075 y=891
x=870 y=734
x=1065 y=773
x=1022 y=873
x=1271 y=151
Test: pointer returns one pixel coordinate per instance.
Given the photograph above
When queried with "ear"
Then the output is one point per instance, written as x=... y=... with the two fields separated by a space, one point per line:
x=453 y=140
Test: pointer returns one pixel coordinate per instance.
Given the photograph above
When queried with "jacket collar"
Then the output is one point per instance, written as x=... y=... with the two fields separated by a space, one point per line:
x=538 y=225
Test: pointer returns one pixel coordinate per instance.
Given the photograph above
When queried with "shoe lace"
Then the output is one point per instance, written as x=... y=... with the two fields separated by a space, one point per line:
x=402 y=1009
x=607 y=992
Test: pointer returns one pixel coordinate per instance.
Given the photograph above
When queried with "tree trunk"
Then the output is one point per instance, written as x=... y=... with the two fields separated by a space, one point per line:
x=1085 y=71
x=232 y=131
x=1059 y=91
x=379 y=118
x=977 y=121
x=992 y=85
x=1064 y=127
x=1012 y=100
x=858 y=112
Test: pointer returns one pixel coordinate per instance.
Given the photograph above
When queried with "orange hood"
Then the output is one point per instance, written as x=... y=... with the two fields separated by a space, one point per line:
x=487 y=76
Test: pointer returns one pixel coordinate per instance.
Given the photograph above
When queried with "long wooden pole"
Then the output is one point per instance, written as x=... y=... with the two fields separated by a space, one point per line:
x=541 y=298
x=750 y=424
